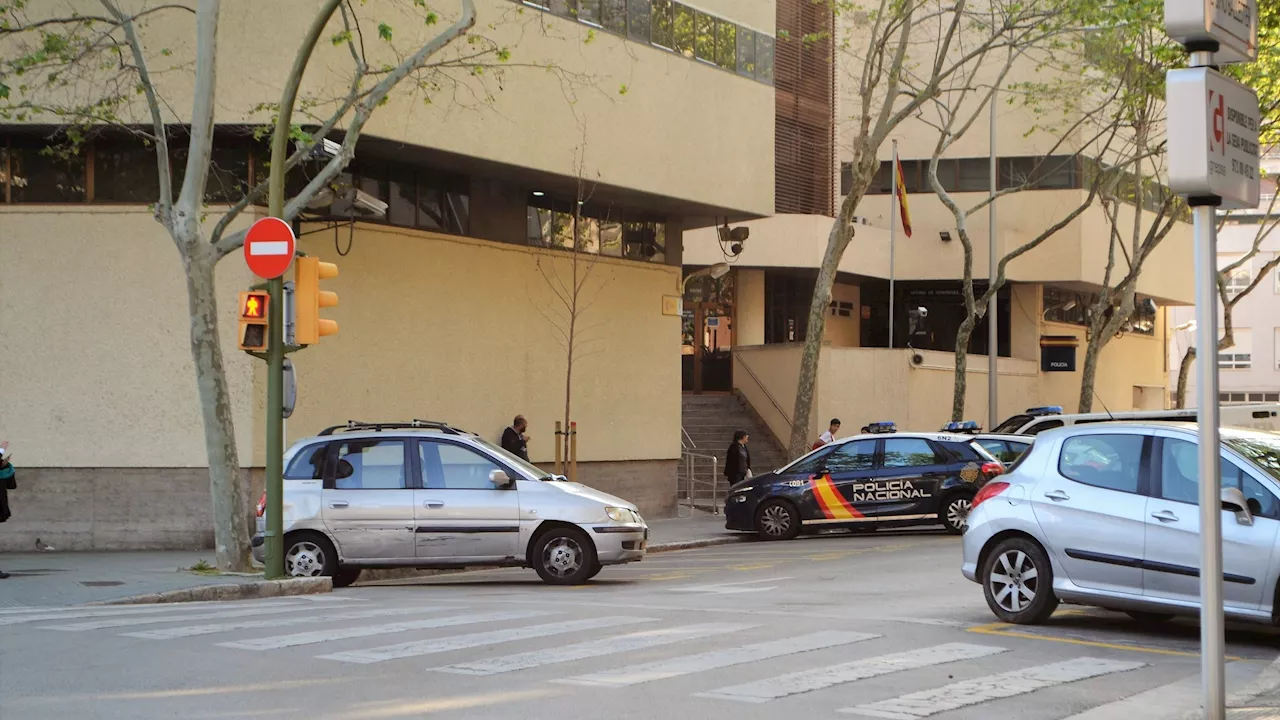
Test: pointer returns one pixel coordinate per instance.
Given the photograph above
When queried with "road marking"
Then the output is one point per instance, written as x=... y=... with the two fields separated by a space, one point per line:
x=804 y=681
x=757 y=566
x=1168 y=701
x=155 y=619
x=318 y=636
x=473 y=640
x=593 y=648
x=72 y=613
x=1001 y=630
x=730 y=588
x=670 y=576
x=663 y=669
x=992 y=687
x=193 y=630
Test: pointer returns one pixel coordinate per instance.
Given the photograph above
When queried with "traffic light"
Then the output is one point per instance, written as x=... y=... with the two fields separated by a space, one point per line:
x=308 y=298
x=253 y=320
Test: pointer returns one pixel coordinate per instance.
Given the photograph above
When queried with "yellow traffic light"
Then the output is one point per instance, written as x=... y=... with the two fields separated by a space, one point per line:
x=253 y=320
x=308 y=298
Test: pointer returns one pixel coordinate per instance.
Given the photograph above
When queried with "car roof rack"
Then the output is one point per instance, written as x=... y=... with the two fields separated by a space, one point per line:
x=415 y=424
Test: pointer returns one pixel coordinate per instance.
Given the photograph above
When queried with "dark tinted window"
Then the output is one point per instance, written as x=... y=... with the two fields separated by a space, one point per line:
x=1112 y=462
x=370 y=465
x=125 y=171
x=638 y=20
x=908 y=452
x=37 y=176
x=1043 y=426
x=308 y=464
x=853 y=457
x=997 y=448
x=1012 y=425
x=813 y=463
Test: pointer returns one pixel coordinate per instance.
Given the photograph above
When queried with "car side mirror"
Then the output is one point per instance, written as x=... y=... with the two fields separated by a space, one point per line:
x=500 y=479
x=1234 y=501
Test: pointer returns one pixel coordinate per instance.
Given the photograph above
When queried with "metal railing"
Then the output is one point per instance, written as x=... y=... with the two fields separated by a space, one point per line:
x=696 y=479
x=786 y=418
x=685 y=440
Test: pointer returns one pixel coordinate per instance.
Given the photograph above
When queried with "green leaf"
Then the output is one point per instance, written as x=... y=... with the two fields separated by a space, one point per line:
x=384 y=31
x=342 y=37
x=432 y=18
x=4 y=91
x=622 y=90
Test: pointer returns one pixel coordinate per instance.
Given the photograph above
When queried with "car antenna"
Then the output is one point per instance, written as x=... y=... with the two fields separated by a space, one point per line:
x=1110 y=417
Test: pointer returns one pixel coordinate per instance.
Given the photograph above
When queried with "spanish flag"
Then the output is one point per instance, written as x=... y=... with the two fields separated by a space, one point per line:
x=900 y=191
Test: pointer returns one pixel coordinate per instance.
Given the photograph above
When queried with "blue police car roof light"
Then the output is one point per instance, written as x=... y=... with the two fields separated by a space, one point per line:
x=1046 y=410
x=877 y=428
x=964 y=426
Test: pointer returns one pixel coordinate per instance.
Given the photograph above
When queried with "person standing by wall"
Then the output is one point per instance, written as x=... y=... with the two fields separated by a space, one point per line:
x=514 y=440
x=8 y=481
x=829 y=436
x=737 y=459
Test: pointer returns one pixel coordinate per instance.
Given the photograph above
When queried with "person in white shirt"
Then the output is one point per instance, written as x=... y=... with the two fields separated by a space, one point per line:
x=829 y=436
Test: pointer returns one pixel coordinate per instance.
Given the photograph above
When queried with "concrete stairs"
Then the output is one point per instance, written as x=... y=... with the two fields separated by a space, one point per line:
x=709 y=422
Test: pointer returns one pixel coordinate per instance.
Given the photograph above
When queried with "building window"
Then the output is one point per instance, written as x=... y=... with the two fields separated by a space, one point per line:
x=1240 y=355
x=674 y=26
x=1238 y=280
x=125 y=171
x=40 y=173
x=607 y=231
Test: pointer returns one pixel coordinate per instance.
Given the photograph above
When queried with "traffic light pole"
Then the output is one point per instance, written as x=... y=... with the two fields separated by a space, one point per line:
x=274 y=536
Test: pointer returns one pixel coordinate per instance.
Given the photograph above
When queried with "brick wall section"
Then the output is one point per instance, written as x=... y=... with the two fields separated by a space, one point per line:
x=91 y=509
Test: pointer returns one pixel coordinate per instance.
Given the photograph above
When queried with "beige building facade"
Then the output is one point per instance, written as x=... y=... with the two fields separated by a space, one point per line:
x=448 y=302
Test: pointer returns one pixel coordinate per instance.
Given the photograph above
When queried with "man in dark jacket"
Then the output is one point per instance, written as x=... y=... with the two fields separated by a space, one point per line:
x=514 y=440
x=737 y=459
x=8 y=480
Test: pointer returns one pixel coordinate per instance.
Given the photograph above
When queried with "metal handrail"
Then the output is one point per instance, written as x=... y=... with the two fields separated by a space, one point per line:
x=690 y=462
x=765 y=390
x=687 y=439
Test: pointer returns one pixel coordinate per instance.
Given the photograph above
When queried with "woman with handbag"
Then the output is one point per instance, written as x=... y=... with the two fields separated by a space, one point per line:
x=8 y=481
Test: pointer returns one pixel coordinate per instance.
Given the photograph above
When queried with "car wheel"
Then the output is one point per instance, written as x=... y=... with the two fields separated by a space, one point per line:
x=309 y=554
x=954 y=514
x=346 y=576
x=1018 y=582
x=1149 y=618
x=564 y=556
x=595 y=571
x=777 y=520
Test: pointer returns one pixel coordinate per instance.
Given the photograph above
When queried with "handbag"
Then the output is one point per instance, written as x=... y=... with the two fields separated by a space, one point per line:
x=10 y=477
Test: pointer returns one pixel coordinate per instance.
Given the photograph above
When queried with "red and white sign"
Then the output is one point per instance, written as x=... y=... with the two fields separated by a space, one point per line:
x=268 y=247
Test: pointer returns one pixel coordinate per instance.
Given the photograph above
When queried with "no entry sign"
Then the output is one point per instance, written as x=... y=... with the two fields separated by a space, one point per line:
x=268 y=247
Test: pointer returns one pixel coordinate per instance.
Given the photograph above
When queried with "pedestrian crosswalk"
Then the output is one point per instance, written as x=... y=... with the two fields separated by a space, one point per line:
x=704 y=658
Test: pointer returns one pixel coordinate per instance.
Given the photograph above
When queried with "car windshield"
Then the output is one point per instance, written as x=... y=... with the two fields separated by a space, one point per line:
x=518 y=463
x=1261 y=450
x=1010 y=426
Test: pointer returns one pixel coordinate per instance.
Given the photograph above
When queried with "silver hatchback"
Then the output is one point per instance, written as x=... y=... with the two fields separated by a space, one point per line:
x=1106 y=514
x=426 y=495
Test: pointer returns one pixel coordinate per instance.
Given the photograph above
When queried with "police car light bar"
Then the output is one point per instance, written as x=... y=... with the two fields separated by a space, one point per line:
x=879 y=428
x=966 y=426
x=1046 y=410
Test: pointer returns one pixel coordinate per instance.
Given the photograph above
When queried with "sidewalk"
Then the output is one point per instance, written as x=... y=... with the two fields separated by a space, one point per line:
x=66 y=578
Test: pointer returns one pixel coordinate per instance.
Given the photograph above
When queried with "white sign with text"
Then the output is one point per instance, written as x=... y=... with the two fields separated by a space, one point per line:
x=1233 y=24
x=1213 y=137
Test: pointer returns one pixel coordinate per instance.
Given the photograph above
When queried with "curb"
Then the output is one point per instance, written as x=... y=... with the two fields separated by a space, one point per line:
x=231 y=591
x=699 y=543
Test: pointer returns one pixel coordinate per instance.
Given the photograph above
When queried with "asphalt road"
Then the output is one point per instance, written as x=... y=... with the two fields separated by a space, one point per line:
x=878 y=625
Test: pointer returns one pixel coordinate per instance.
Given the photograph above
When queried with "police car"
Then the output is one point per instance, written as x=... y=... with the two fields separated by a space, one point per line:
x=1003 y=447
x=878 y=479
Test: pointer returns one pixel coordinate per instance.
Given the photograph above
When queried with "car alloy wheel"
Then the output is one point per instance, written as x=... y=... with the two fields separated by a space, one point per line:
x=562 y=557
x=304 y=559
x=775 y=521
x=958 y=513
x=1014 y=581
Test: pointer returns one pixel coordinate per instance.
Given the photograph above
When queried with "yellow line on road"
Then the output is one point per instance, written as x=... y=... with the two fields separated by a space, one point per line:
x=998 y=629
x=759 y=566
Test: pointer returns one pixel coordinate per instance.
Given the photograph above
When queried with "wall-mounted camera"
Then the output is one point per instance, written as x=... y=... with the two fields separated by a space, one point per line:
x=732 y=239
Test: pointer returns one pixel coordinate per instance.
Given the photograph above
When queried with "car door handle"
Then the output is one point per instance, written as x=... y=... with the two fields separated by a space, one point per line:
x=1057 y=495
x=339 y=504
x=433 y=504
x=1165 y=516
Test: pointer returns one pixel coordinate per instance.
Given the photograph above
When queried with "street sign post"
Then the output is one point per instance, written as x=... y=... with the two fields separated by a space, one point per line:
x=268 y=248
x=1213 y=161
x=1231 y=24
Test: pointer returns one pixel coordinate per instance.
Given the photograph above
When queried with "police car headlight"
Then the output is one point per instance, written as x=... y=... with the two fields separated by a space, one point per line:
x=618 y=514
x=746 y=489
x=739 y=498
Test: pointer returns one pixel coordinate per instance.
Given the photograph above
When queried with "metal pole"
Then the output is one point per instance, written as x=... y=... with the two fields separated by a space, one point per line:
x=274 y=539
x=993 y=329
x=894 y=206
x=1212 y=626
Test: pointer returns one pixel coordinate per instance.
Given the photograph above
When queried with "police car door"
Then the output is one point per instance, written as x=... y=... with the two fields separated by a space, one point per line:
x=847 y=468
x=911 y=474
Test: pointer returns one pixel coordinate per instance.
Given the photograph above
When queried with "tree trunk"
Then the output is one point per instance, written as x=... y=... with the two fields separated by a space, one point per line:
x=962 y=366
x=1184 y=371
x=1089 y=374
x=230 y=505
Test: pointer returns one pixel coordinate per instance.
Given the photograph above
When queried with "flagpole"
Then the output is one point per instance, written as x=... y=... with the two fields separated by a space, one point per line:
x=893 y=231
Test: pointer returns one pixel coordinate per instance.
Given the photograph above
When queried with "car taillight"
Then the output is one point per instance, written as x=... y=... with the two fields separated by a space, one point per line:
x=987 y=492
x=262 y=505
x=992 y=469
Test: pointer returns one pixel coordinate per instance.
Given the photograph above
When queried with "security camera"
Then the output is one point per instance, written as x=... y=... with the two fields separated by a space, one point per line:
x=734 y=238
x=325 y=149
x=918 y=313
x=367 y=205
x=740 y=234
x=917 y=359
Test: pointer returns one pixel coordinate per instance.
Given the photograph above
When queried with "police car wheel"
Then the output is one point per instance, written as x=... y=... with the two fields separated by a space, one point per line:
x=955 y=513
x=777 y=520
x=1017 y=581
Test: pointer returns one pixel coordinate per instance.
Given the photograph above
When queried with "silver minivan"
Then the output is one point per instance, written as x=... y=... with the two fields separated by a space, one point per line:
x=427 y=495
